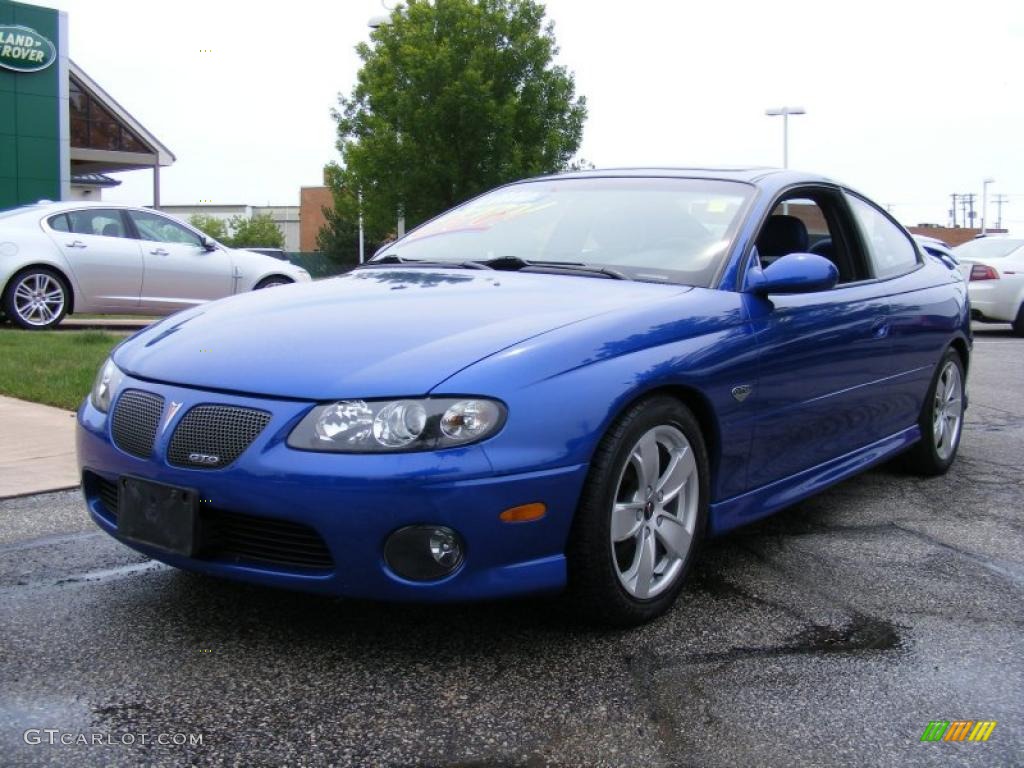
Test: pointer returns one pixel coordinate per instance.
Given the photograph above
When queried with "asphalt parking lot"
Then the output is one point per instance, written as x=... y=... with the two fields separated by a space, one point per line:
x=830 y=634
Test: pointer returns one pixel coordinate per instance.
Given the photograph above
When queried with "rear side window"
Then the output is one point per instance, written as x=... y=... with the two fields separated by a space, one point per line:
x=59 y=223
x=891 y=251
x=103 y=222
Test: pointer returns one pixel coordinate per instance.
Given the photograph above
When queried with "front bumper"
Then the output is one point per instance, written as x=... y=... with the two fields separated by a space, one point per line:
x=354 y=502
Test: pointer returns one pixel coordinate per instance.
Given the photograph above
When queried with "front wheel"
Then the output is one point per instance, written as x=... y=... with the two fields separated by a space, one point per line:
x=941 y=419
x=36 y=299
x=641 y=516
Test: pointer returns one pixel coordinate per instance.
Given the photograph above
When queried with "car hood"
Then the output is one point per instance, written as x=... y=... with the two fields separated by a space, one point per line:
x=371 y=333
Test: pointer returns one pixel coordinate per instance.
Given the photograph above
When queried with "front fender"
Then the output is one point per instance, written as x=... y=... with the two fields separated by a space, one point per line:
x=565 y=388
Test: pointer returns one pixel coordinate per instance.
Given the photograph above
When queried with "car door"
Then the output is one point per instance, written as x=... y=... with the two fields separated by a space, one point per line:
x=179 y=270
x=823 y=356
x=106 y=262
x=922 y=316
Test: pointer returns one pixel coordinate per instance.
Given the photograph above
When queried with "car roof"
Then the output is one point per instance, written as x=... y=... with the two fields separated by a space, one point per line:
x=751 y=174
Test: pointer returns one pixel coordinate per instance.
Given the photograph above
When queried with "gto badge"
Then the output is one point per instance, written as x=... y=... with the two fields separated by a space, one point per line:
x=203 y=458
x=172 y=409
x=742 y=392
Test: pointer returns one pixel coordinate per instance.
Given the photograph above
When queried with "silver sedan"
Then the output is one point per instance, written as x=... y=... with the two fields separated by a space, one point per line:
x=60 y=258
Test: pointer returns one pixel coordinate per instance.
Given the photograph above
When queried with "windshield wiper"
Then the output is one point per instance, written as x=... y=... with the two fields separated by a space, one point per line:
x=394 y=258
x=516 y=264
x=503 y=263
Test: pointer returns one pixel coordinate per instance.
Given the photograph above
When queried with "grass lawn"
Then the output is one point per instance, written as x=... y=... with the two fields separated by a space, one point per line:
x=52 y=367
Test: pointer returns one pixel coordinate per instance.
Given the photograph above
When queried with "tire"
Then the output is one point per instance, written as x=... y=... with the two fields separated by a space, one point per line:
x=935 y=452
x=270 y=282
x=1018 y=323
x=36 y=299
x=606 y=580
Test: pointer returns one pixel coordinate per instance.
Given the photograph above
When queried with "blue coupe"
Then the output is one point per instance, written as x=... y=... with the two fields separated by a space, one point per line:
x=565 y=383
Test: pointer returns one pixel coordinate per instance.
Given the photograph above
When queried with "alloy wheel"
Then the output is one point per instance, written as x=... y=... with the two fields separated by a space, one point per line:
x=38 y=299
x=655 y=512
x=947 y=410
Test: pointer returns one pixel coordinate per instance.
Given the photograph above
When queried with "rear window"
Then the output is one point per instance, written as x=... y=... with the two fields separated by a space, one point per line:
x=987 y=248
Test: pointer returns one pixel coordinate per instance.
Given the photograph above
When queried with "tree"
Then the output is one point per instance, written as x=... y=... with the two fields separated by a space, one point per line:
x=210 y=226
x=258 y=232
x=453 y=97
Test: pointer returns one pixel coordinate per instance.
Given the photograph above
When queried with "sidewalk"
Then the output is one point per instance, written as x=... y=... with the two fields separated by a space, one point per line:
x=37 y=452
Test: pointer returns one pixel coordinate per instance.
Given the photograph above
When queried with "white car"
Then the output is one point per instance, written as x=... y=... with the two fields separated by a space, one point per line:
x=61 y=258
x=994 y=267
x=937 y=248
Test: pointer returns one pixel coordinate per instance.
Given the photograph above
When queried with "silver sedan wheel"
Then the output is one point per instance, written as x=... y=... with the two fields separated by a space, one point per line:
x=947 y=410
x=655 y=512
x=38 y=298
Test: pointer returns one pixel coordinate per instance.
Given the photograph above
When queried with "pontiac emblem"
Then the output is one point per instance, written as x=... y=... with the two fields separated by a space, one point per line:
x=742 y=392
x=172 y=409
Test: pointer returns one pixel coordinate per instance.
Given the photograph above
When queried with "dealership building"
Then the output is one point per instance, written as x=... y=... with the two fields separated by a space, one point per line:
x=60 y=132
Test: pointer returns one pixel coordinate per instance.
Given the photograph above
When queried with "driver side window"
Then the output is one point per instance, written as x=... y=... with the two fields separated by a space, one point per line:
x=811 y=221
x=162 y=230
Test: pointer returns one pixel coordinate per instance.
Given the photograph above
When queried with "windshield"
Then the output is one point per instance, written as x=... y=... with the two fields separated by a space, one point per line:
x=646 y=228
x=987 y=248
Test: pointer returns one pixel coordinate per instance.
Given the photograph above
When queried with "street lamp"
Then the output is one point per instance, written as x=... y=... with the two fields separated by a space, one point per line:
x=785 y=112
x=984 y=201
x=375 y=22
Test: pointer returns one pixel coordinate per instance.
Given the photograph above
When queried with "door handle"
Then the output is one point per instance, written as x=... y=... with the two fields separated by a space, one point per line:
x=880 y=329
x=160 y=252
x=75 y=244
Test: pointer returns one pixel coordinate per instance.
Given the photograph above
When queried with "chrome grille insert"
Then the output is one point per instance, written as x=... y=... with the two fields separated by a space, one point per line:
x=213 y=436
x=134 y=423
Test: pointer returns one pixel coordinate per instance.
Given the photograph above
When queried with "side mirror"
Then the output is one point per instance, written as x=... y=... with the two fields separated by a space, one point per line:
x=208 y=244
x=793 y=273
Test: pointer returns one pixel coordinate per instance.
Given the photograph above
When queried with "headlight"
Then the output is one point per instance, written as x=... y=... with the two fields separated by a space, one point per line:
x=360 y=426
x=108 y=380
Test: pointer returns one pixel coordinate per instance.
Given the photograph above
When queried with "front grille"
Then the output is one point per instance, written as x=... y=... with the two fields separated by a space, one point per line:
x=108 y=493
x=135 y=420
x=244 y=538
x=213 y=436
x=239 y=538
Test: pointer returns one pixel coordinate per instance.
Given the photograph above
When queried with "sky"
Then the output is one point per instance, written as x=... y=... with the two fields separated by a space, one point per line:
x=906 y=101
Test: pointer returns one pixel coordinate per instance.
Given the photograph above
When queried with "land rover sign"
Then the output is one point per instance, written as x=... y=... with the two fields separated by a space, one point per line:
x=24 y=50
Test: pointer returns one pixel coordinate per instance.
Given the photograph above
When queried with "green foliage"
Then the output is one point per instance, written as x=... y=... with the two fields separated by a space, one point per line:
x=52 y=367
x=210 y=226
x=454 y=97
x=260 y=231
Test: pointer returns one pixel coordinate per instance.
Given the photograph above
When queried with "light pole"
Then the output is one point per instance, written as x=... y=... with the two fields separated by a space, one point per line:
x=984 y=201
x=375 y=22
x=785 y=112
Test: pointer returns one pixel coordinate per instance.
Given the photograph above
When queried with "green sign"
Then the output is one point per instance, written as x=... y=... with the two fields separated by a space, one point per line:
x=24 y=50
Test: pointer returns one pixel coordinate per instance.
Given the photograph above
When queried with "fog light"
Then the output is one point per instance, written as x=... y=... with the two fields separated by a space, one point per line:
x=423 y=552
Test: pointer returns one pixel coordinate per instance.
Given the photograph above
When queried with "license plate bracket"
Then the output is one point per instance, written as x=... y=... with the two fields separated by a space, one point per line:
x=158 y=515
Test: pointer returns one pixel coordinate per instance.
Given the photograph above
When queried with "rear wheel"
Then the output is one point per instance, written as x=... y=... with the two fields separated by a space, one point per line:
x=641 y=516
x=36 y=299
x=270 y=282
x=941 y=419
x=1018 y=323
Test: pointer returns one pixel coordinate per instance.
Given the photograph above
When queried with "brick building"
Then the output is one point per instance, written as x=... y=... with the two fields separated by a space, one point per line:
x=312 y=201
x=952 y=236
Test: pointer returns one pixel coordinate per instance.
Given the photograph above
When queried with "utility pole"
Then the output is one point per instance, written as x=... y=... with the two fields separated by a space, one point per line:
x=963 y=209
x=952 y=211
x=999 y=200
x=970 y=202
